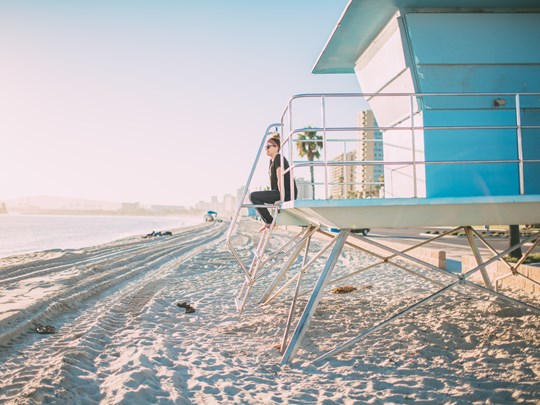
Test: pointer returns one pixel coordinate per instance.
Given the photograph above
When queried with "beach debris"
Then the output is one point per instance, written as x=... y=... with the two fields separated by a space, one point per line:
x=154 y=234
x=344 y=289
x=44 y=329
x=188 y=307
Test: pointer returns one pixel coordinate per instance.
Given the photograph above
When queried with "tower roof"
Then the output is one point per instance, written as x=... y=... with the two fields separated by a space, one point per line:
x=362 y=20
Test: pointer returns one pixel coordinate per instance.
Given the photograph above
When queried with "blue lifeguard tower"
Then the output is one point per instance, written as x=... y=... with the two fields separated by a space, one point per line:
x=454 y=87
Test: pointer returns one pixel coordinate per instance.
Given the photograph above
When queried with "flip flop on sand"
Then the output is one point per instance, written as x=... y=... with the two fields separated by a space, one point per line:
x=189 y=308
x=45 y=329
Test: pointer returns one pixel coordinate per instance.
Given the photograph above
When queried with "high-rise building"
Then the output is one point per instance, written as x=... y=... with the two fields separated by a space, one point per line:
x=370 y=177
x=344 y=178
x=305 y=189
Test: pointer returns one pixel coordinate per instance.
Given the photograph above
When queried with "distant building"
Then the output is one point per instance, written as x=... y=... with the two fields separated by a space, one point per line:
x=371 y=149
x=214 y=203
x=305 y=191
x=344 y=177
x=229 y=203
x=130 y=208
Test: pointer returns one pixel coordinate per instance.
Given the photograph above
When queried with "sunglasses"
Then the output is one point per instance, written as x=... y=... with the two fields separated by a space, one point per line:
x=270 y=146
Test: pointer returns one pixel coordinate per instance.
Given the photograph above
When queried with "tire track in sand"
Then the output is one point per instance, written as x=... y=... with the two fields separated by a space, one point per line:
x=24 y=372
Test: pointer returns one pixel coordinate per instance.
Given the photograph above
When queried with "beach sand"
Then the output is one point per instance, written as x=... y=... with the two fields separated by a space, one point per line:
x=120 y=338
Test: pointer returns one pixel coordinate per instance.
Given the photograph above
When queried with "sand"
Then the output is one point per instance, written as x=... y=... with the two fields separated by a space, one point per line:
x=121 y=339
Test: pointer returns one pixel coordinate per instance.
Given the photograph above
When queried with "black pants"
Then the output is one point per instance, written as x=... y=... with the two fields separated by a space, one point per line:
x=265 y=197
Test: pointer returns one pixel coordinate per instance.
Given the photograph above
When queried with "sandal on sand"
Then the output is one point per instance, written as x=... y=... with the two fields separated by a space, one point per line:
x=189 y=308
x=45 y=329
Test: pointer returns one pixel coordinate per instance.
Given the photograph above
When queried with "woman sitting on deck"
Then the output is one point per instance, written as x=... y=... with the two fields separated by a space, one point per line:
x=273 y=146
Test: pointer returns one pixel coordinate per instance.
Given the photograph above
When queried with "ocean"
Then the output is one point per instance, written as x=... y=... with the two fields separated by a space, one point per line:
x=32 y=233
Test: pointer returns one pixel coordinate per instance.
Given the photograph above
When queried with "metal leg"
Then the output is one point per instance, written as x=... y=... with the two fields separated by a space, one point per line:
x=293 y=302
x=486 y=244
x=405 y=256
x=494 y=258
x=286 y=249
x=292 y=258
x=380 y=325
x=478 y=257
x=302 y=270
x=242 y=297
x=304 y=321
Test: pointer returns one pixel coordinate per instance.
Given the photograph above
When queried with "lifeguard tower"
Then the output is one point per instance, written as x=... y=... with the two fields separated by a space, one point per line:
x=454 y=87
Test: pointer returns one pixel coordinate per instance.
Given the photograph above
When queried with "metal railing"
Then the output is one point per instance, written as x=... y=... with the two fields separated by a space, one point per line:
x=409 y=123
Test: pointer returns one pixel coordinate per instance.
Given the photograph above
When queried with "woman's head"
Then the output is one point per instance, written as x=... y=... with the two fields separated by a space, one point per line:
x=273 y=144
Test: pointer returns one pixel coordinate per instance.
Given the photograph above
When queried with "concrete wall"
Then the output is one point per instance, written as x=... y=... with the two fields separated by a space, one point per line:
x=498 y=269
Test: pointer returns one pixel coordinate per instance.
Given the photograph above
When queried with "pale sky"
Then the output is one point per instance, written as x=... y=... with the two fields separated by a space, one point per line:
x=155 y=101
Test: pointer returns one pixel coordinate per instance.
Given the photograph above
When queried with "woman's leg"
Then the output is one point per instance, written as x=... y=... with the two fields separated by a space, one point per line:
x=264 y=197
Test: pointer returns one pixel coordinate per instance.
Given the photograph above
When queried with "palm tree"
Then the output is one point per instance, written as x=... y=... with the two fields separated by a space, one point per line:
x=309 y=145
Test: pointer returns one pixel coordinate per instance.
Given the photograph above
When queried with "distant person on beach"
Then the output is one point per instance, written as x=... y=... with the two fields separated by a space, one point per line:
x=273 y=146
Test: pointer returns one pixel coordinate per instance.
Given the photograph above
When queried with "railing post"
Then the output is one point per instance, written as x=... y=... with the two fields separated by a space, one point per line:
x=519 y=146
x=413 y=146
x=323 y=107
x=282 y=191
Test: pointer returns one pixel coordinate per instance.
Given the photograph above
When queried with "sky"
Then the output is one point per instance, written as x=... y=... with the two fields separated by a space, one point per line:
x=161 y=101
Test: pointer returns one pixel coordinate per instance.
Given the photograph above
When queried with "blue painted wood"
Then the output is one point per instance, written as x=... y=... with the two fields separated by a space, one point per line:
x=476 y=53
x=474 y=38
x=472 y=180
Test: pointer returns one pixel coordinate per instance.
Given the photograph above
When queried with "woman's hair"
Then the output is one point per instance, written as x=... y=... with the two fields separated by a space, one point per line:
x=275 y=138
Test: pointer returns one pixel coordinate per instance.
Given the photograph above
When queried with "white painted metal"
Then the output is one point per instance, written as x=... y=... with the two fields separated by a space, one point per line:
x=478 y=257
x=418 y=212
x=285 y=337
x=290 y=261
x=302 y=270
x=368 y=332
x=305 y=319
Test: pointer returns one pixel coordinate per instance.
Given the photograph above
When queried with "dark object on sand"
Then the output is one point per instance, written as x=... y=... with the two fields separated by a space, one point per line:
x=45 y=329
x=188 y=307
x=158 y=233
x=344 y=289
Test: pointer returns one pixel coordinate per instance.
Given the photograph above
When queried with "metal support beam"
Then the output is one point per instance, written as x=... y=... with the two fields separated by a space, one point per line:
x=405 y=256
x=304 y=321
x=302 y=270
x=478 y=257
x=503 y=297
x=494 y=258
x=292 y=258
x=293 y=301
x=380 y=325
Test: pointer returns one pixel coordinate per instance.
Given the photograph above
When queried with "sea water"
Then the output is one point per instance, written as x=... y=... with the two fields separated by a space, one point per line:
x=32 y=233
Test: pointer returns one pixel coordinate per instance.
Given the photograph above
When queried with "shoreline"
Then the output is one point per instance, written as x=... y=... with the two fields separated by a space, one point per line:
x=33 y=234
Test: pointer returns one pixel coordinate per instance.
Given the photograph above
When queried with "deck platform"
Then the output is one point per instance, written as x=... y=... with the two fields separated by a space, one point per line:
x=414 y=212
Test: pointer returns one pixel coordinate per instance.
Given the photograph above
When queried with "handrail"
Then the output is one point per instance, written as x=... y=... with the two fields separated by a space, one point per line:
x=240 y=203
x=408 y=125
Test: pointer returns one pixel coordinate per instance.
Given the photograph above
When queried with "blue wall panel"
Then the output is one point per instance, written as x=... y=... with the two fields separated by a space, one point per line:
x=472 y=180
x=476 y=53
x=479 y=78
x=532 y=178
x=471 y=38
